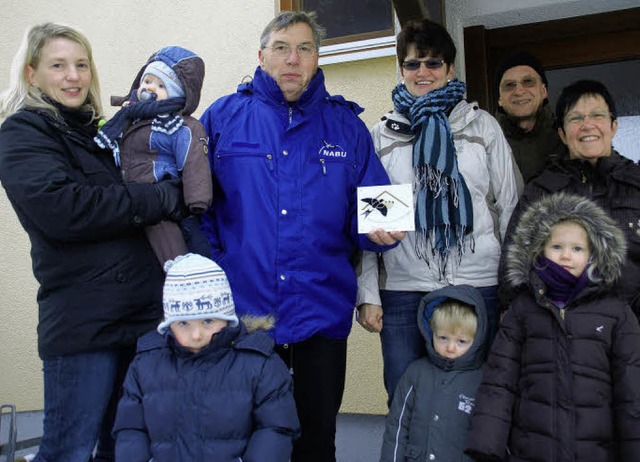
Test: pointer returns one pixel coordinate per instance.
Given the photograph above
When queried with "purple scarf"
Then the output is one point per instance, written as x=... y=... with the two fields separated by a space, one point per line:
x=562 y=286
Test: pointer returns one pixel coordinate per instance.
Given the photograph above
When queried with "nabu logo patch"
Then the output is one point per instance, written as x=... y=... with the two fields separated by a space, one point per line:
x=331 y=150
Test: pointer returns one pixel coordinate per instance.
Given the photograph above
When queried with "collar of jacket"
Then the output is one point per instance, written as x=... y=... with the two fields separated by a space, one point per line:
x=545 y=120
x=69 y=128
x=266 y=88
x=230 y=337
x=462 y=115
x=220 y=342
x=539 y=290
x=604 y=166
x=153 y=340
x=563 y=170
x=399 y=127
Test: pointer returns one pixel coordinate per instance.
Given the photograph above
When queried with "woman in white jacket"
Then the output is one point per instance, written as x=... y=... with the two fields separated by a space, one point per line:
x=465 y=188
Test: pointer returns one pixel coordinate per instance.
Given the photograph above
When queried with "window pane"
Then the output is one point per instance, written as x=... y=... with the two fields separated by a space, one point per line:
x=351 y=17
x=626 y=139
x=620 y=78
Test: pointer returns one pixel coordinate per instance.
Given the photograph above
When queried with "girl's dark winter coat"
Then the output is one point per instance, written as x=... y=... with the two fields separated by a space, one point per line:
x=561 y=385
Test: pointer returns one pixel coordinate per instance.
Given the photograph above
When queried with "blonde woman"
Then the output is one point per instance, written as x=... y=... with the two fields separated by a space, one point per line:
x=100 y=283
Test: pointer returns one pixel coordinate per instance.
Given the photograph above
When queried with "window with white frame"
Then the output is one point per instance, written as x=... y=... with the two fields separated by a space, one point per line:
x=356 y=29
x=350 y=21
x=359 y=29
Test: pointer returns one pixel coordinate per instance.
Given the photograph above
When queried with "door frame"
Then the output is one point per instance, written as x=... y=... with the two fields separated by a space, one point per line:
x=560 y=43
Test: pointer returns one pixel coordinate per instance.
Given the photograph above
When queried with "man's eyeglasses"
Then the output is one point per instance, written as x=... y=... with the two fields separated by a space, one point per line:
x=414 y=64
x=511 y=85
x=576 y=119
x=283 y=50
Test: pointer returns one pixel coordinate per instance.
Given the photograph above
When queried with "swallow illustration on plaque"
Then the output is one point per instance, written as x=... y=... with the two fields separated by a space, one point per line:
x=389 y=207
x=380 y=205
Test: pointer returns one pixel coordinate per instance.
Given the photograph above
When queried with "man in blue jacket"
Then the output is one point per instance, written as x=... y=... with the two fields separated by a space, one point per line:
x=286 y=159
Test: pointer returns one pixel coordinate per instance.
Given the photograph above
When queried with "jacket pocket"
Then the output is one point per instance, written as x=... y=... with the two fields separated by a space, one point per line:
x=243 y=153
x=330 y=156
x=414 y=452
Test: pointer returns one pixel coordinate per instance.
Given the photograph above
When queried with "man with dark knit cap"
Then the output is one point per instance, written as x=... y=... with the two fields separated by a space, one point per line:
x=524 y=113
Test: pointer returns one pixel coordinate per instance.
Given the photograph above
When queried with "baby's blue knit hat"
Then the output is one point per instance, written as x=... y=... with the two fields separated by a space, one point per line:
x=168 y=76
x=196 y=288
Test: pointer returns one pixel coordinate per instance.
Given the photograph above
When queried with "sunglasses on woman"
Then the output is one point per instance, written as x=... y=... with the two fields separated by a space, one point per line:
x=431 y=63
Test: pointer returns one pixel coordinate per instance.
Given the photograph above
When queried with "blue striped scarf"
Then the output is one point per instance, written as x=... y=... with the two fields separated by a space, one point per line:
x=444 y=212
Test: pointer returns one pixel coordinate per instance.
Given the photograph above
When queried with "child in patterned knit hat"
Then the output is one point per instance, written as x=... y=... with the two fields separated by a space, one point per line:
x=205 y=385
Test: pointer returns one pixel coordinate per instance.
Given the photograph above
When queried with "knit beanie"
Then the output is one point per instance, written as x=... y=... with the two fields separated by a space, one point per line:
x=521 y=58
x=168 y=76
x=196 y=288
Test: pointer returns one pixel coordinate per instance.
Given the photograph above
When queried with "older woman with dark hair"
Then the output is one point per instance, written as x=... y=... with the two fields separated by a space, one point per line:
x=586 y=117
x=100 y=283
x=464 y=178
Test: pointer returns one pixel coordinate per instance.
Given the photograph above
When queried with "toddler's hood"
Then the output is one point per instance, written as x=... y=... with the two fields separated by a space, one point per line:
x=190 y=70
x=468 y=295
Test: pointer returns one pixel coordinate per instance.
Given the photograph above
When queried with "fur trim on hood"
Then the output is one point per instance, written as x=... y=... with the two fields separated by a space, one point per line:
x=255 y=323
x=608 y=245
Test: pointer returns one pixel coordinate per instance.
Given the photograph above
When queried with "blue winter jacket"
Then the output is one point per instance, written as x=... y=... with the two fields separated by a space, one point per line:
x=283 y=224
x=231 y=402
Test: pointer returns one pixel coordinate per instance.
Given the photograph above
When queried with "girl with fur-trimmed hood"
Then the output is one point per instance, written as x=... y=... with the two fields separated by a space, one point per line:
x=561 y=381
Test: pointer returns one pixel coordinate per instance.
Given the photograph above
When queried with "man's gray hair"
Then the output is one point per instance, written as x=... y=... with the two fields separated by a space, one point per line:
x=286 y=19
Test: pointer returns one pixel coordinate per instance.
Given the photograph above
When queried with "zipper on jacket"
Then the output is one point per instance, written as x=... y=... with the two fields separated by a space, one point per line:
x=562 y=310
x=324 y=167
x=270 y=161
x=290 y=115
